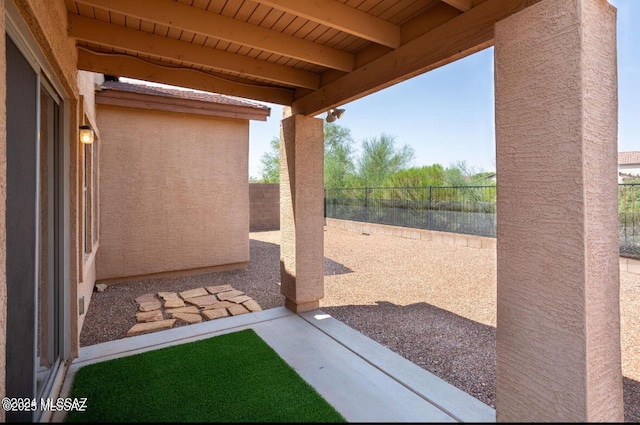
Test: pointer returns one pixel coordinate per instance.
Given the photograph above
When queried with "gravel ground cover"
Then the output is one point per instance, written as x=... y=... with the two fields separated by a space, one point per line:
x=432 y=303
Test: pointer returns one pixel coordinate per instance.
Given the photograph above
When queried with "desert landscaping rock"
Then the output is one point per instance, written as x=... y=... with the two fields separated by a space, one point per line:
x=423 y=299
x=239 y=299
x=216 y=313
x=173 y=303
x=150 y=306
x=219 y=304
x=188 y=309
x=229 y=294
x=187 y=317
x=101 y=287
x=146 y=298
x=193 y=293
x=144 y=328
x=237 y=310
x=219 y=288
x=149 y=316
x=202 y=301
x=252 y=305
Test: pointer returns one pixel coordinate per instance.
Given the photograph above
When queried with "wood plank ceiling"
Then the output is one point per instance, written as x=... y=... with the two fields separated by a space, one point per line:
x=311 y=55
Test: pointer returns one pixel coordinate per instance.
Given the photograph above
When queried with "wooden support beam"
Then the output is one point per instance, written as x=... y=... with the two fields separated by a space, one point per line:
x=128 y=66
x=459 y=37
x=462 y=5
x=341 y=17
x=104 y=33
x=179 y=15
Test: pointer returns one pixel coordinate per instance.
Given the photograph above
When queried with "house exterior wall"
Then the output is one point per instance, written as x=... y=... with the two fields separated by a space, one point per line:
x=86 y=89
x=264 y=209
x=633 y=169
x=174 y=192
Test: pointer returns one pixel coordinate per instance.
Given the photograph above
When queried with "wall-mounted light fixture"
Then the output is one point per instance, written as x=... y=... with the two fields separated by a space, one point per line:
x=334 y=114
x=86 y=134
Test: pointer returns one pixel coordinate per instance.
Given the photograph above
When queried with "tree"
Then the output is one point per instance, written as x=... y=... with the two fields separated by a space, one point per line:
x=380 y=160
x=338 y=158
x=339 y=170
x=428 y=175
x=270 y=160
x=461 y=174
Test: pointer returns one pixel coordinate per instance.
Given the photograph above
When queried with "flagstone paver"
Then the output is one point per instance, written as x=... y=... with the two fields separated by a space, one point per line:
x=240 y=299
x=220 y=304
x=188 y=309
x=146 y=298
x=150 y=306
x=222 y=296
x=143 y=328
x=168 y=295
x=237 y=310
x=198 y=292
x=215 y=313
x=202 y=301
x=173 y=303
x=149 y=316
x=219 y=288
x=210 y=303
x=187 y=317
x=252 y=305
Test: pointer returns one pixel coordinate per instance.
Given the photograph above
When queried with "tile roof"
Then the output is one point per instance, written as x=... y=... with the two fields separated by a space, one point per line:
x=629 y=158
x=181 y=94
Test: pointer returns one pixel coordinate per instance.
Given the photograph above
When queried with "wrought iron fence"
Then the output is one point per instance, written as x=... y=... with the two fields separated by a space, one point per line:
x=629 y=219
x=464 y=209
x=470 y=209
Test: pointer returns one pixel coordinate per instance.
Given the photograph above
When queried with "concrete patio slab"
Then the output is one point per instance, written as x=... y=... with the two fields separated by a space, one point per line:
x=363 y=380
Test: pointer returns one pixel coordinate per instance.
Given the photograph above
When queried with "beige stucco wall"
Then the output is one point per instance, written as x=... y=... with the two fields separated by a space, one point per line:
x=86 y=90
x=174 y=192
x=558 y=343
x=48 y=23
x=264 y=199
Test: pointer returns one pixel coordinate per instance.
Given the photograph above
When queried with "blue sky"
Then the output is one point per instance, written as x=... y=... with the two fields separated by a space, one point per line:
x=447 y=115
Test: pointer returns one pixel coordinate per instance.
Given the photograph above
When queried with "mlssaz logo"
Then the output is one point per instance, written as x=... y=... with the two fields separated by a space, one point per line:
x=63 y=404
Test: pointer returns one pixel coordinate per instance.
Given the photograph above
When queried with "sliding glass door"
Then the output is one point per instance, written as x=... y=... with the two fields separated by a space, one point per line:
x=47 y=341
x=34 y=231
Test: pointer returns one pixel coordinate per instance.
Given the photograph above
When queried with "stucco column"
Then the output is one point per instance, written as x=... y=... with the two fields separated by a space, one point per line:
x=558 y=348
x=301 y=212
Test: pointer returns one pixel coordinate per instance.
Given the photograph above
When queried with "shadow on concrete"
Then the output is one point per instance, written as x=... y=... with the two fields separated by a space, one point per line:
x=460 y=351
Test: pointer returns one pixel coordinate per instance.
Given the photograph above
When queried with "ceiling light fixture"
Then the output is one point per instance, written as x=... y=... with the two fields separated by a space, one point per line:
x=334 y=114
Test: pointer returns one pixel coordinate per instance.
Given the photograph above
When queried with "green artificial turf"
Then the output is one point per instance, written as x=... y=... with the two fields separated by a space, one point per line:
x=235 y=377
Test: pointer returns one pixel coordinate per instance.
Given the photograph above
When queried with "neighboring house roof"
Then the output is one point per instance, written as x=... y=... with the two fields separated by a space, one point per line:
x=629 y=158
x=176 y=100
